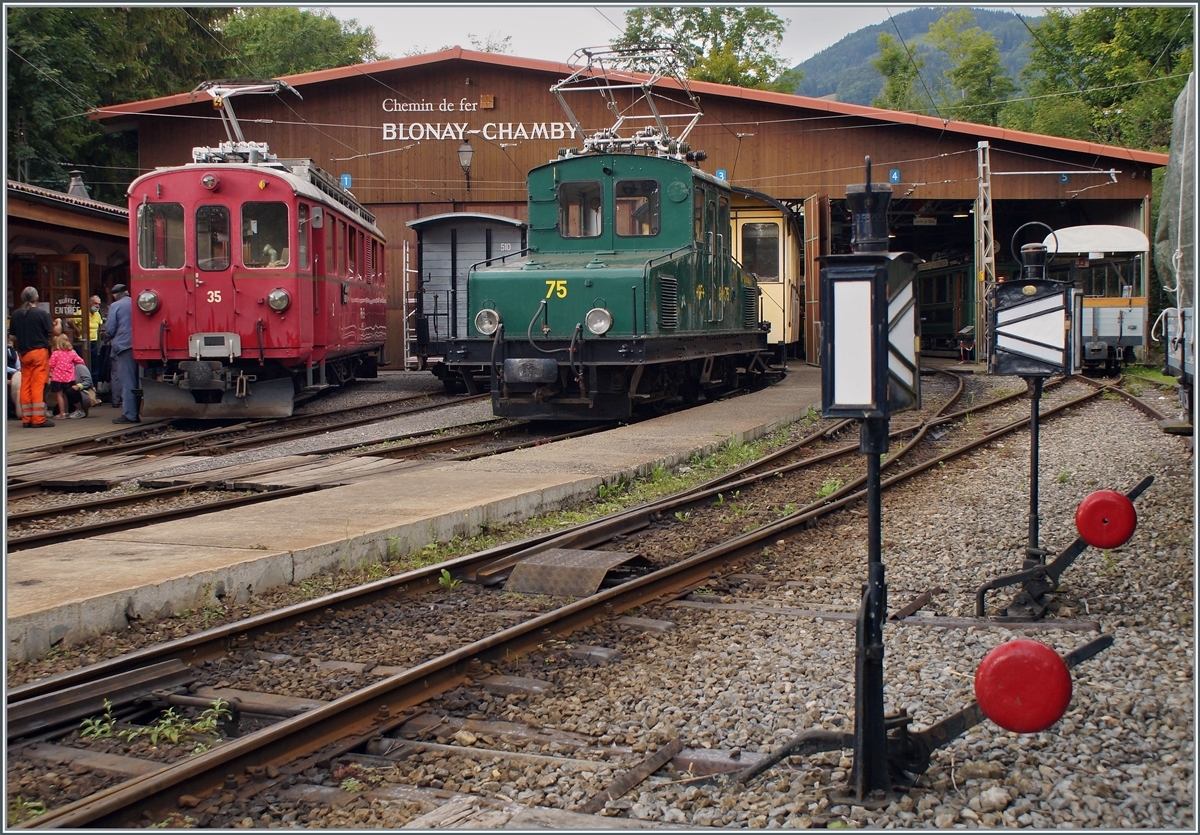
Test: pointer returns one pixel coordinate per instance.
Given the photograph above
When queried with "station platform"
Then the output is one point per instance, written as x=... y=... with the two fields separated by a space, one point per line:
x=71 y=592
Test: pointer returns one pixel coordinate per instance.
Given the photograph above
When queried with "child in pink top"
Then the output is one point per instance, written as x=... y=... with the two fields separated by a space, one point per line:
x=62 y=370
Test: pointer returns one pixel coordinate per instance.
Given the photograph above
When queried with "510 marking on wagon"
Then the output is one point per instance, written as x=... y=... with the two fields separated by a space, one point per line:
x=556 y=287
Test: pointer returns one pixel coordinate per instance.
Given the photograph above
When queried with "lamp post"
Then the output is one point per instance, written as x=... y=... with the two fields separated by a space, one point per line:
x=465 y=155
x=1030 y=323
x=869 y=341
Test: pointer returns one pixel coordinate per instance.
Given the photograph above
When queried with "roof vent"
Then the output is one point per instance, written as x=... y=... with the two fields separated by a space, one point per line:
x=76 y=188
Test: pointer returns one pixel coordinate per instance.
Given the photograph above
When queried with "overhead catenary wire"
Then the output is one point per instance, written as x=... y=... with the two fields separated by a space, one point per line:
x=913 y=61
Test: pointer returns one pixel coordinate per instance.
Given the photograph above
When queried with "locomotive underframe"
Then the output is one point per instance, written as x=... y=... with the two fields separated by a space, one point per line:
x=607 y=378
x=208 y=389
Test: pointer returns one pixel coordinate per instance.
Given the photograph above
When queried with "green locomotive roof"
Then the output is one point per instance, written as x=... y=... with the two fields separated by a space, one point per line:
x=600 y=185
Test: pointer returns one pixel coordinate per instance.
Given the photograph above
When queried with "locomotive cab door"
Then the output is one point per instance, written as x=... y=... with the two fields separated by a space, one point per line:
x=704 y=210
x=212 y=302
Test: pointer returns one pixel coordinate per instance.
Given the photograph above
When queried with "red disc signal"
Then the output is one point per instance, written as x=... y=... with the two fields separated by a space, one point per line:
x=1023 y=686
x=1106 y=519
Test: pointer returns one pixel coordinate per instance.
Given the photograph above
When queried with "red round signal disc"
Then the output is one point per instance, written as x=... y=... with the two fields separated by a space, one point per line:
x=1106 y=519
x=1023 y=686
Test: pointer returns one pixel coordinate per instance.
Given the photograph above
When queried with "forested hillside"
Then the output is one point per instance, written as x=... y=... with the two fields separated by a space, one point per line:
x=845 y=71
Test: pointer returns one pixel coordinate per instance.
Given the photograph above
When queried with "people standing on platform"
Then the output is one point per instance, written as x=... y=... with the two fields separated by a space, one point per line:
x=124 y=371
x=12 y=366
x=33 y=329
x=62 y=372
x=95 y=320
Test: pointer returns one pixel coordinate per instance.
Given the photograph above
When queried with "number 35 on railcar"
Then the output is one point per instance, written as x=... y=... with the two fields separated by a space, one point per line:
x=252 y=277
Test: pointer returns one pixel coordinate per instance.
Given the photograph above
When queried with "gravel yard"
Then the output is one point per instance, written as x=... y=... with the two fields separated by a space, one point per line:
x=1121 y=757
x=722 y=678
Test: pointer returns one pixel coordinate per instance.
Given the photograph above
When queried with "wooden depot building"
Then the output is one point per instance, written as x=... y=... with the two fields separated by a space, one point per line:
x=427 y=139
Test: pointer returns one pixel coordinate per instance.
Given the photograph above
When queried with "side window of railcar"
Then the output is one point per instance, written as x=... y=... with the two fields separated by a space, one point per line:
x=302 y=235
x=265 y=234
x=160 y=236
x=760 y=250
x=580 y=209
x=637 y=208
x=340 y=243
x=212 y=238
x=378 y=271
x=352 y=253
x=330 y=249
x=698 y=214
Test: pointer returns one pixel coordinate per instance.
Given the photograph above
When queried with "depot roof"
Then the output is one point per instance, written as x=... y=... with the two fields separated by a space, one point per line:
x=702 y=87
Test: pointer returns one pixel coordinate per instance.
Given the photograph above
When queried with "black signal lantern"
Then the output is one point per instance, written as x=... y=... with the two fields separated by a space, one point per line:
x=869 y=369
x=1030 y=319
x=869 y=333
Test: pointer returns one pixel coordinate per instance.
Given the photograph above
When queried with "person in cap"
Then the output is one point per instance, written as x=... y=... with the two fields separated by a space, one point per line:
x=119 y=328
x=33 y=329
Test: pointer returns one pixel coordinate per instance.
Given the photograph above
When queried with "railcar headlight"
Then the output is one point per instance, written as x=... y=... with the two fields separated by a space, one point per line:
x=598 y=320
x=278 y=299
x=210 y=181
x=147 y=301
x=486 y=321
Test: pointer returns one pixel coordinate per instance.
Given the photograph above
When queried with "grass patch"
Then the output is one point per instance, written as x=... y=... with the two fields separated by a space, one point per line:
x=1150 y=375
x=611 y=498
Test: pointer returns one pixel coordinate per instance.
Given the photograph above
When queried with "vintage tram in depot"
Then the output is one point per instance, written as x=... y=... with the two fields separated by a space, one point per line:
x=252 y=278
x=1108 y=265
x=628 y=293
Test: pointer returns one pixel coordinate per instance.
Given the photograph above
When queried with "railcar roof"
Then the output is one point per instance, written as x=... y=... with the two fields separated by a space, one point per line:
x=1097 y=238
x=300 y=185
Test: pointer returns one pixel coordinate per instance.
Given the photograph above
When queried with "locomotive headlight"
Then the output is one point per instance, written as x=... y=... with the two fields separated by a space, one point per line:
x=486 y=321
x=209 y=181
x=599 y=321
x=278 y=299
x=147 y=301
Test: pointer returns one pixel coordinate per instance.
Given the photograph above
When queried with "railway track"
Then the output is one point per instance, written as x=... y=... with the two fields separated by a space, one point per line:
x=159 y=439
x=65 y=522
x=353 y=717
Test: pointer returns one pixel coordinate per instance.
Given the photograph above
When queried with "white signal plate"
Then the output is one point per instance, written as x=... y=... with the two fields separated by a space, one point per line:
x=904 y=376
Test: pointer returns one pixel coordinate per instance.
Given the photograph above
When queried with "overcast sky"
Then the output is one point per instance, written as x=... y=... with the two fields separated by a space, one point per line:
x=553 y=31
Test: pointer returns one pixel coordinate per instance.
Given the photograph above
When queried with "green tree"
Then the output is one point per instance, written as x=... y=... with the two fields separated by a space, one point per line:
x=491 y=43
x=903 y=90
x=272 y=41
x=976 y=84
x=64 y=62
x=722 y=44
x=1107 y=75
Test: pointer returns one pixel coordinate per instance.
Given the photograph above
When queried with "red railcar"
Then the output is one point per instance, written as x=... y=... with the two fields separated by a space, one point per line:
x=252 y=279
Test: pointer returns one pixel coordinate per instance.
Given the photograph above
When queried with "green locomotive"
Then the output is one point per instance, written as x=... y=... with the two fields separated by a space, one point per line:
x=627 y=294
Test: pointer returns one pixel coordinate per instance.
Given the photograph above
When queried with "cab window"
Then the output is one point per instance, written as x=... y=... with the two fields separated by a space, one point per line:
x=698 y=214
x=212 y=238
x=580 y=209
x=760 y=250
x=160 y=236
x=265 y=234
x=637 y=208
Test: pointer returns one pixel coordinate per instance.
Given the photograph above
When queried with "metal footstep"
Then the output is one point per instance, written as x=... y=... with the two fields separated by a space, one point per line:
x=565 y=572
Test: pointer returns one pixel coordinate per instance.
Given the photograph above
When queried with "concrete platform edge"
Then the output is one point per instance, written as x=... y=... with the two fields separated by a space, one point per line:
x=32 y=635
